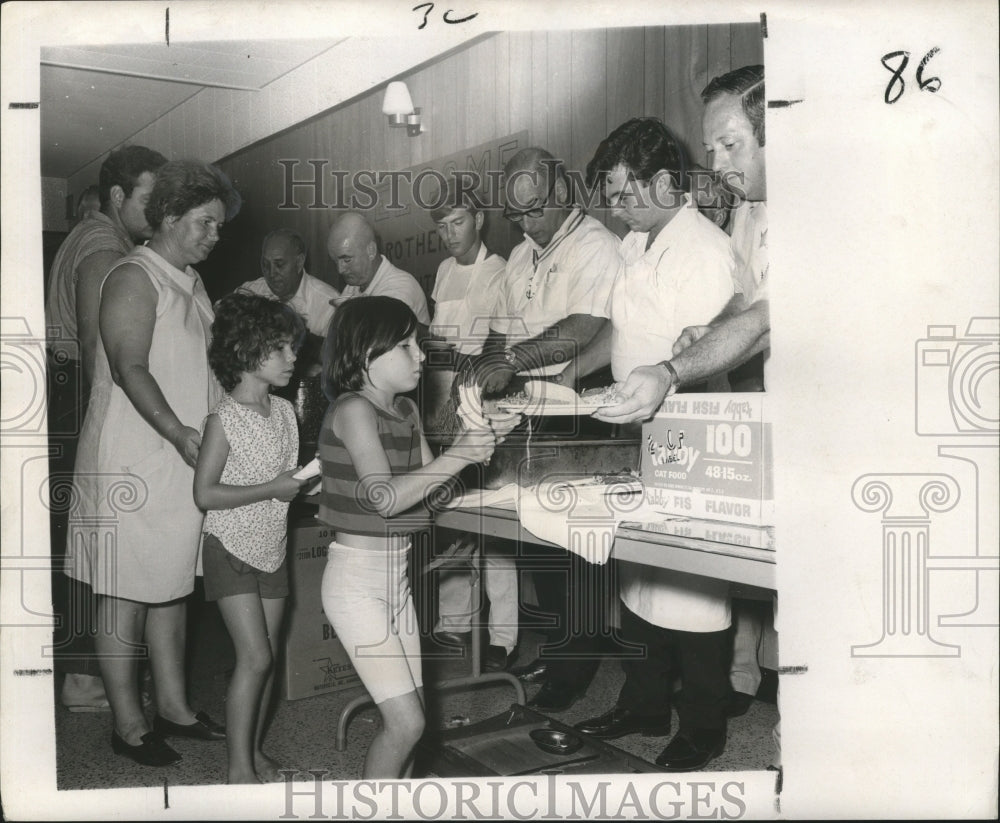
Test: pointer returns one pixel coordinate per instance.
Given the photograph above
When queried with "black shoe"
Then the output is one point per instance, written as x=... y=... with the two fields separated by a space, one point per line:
x=738 y=704
x=153 y=751
x=203 y=728
x=556 y=697
x=619 y=722
x=461 y=639
x=496 y=659
x=534 y=672
x=693 y=751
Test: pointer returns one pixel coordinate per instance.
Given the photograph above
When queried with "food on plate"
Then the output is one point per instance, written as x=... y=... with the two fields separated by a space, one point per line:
x=549 y=398
x=607 y=396
x=513 y=402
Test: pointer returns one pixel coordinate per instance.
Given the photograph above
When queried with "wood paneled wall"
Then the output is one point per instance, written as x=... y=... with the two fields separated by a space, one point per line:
x=568 y=89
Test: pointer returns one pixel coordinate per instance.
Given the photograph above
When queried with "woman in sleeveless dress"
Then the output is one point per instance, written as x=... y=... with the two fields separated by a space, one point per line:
x=135 y=532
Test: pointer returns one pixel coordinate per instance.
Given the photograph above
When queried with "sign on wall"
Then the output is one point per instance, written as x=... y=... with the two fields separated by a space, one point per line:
x=399 y=211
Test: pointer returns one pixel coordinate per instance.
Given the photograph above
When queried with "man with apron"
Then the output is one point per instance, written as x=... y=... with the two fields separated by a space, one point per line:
x=464 y=301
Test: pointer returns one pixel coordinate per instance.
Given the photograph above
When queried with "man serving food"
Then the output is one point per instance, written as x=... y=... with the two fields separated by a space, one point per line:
x=553 y=300
x=678 y=271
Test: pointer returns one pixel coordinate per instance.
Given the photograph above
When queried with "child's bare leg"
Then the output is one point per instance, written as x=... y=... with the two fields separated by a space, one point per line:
x=392 y=748
x=408 y=768
x=243 y=615
x=268 y=769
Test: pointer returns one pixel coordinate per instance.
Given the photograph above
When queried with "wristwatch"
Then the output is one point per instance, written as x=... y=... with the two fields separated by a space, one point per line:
x=675 y=379
x=510 y=356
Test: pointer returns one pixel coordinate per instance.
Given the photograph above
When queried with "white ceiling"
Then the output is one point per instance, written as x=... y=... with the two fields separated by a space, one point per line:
x=94 y=97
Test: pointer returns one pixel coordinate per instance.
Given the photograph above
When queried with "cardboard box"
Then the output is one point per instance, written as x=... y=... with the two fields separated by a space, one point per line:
x=315 y=660
x=312 y=670
x=708 y=456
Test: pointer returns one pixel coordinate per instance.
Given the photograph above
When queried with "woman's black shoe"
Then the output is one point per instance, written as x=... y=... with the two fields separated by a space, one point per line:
x=203 y=728
x=153 y=751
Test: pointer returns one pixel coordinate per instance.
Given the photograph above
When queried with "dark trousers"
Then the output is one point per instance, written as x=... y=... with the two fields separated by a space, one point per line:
x=74 y=602
x=573 y=596
x=701 y=660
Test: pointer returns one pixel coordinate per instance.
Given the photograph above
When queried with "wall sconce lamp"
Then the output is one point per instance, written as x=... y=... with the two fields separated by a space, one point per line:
x=398 y=105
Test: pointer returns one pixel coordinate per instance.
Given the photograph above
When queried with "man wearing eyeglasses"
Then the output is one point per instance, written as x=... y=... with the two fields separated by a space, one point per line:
x=557 y=280
x=553 y=301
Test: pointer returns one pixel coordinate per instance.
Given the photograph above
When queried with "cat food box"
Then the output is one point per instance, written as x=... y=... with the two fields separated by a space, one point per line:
x=708 y=456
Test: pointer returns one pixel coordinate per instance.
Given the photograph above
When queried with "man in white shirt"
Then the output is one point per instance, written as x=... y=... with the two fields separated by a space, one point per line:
x=733 y=133
x=557 y=281
x=466 y=291
x=283 y=264
x=554 y=300
x=678 y=270
x=351 y=245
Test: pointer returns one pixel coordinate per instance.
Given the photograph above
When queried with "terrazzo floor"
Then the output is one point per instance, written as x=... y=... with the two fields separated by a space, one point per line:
x=303 y=732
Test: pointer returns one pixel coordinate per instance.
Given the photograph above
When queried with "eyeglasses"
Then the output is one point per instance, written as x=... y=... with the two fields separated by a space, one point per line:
x=534 y=213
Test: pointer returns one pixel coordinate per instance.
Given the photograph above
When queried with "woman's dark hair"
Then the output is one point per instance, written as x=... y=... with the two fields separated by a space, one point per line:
x=362 y=329
x=182 y=185
x=246 y=330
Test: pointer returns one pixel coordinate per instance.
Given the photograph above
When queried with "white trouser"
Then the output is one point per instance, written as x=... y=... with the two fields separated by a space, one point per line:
x=499 y=579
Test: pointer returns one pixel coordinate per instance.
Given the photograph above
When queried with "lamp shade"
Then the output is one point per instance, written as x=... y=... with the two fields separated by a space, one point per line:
x=397 y=99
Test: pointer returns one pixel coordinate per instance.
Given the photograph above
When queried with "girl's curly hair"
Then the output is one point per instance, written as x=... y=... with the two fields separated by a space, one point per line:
x=247 y=328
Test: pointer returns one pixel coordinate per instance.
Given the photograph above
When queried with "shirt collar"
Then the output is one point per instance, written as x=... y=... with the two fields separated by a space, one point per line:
x=300 y=292
x=573 y=219
x=569 y=225
x=383 y=267
x=101 y=216
x=480 y=257
x=677 y=227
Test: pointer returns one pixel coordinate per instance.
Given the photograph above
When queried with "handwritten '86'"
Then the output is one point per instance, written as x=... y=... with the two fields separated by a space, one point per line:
x=931 y=84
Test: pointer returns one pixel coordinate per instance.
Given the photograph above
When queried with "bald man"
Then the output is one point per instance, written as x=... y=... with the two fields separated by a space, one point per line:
x=351 y=245
x=283 y=263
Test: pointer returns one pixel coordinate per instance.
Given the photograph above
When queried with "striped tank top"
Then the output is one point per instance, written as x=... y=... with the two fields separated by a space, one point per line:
x=342 y=504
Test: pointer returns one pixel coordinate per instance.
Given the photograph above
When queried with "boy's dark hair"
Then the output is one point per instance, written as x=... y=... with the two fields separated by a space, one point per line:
x=644 y=146
x=362 y=329
x=123 y=167
x=247 y=328
x=453 y=197
x=182 y=185
x=747 y=83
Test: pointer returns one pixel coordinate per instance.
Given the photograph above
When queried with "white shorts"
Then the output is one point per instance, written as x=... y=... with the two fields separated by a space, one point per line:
x=366 y=598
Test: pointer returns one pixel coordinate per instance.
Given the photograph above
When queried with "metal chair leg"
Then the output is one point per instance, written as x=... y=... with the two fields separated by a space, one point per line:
x=345 y=715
